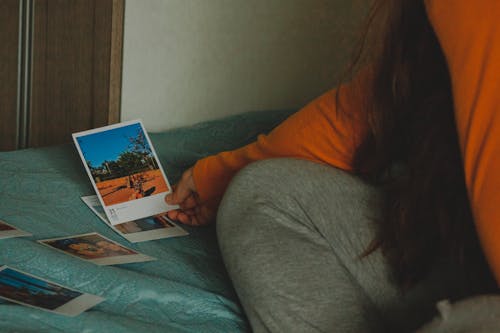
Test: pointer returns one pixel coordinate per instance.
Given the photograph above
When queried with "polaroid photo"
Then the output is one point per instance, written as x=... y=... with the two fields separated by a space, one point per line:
x=96 y=248
x=26 y=289
x=141 y=230
x=124 y=170
x=9 y=231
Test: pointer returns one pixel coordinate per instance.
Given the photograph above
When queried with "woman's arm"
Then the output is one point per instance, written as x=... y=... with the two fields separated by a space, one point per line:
x=318 y=132
x=469 y=34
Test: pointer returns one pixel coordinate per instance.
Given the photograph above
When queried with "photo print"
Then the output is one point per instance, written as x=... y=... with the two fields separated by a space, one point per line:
x=25 y=289
x=96 y=248
x=124 y=170
x=9 y=231
x=141 y=230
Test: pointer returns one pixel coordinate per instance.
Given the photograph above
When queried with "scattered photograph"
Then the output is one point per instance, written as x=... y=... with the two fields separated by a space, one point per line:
x=5 y=227
x=9 y=231
x=96 y=248
x=26 y=289
x=145 y=224
x=141 y=230
x=124 y=170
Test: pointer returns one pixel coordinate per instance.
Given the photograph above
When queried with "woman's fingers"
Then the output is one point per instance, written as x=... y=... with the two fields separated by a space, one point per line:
x=182 y=190
x=172 y=214
x=183 y=218
x=191 y=211
x=178 y=196
x=200 y=215
x=189 y=203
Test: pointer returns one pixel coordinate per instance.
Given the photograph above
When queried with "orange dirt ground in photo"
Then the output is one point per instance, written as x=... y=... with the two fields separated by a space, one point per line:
x=117 y=190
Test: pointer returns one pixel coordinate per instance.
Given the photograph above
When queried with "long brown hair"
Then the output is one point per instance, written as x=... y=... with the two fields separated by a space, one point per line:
x=411 y=149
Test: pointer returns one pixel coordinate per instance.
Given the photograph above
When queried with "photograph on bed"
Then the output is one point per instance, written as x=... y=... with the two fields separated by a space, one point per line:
x=26 y=289
x=124 y=170
x=96 y=248
x=9 y=231
x=141 y=230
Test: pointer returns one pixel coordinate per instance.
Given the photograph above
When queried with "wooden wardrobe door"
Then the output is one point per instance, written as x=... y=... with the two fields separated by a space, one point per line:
x=9 y=40
x=76 y=68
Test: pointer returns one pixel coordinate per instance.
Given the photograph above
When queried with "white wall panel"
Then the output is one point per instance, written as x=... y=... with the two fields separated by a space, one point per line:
x=187 y=61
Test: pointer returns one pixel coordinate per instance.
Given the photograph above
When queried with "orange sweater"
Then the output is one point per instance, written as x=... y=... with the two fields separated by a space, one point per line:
x=469 y=34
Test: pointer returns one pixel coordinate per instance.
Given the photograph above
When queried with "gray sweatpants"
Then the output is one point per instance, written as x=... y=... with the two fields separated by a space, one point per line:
x=291 y=233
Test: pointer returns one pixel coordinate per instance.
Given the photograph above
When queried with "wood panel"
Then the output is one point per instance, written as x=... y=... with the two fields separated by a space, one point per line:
x=108 y=61
x=9 y=39
x=76 y=75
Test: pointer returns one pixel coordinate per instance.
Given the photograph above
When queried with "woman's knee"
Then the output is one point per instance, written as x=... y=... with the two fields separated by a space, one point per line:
x=297 y=194
x=270 y=227
x=263 y=178
x=244 y=196
x=269 y=182
x=273 y=179
x=261 y=187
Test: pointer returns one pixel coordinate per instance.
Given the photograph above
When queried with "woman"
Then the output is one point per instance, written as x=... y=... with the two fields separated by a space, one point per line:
x=313 y=248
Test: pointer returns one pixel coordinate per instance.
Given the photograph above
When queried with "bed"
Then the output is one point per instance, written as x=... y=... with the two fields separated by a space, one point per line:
x=185 y=290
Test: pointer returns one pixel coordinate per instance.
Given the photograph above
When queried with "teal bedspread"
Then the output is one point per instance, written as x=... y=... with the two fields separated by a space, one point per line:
x=185 y=290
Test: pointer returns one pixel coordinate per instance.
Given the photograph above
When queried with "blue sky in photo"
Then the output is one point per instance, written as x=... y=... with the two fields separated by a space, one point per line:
x=107 y=145
x=18 y=279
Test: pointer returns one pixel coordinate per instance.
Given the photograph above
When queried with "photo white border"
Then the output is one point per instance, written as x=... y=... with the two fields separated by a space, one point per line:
x=111 y=260
x=140 y=236
x=72 y=308
x=132 y=209
x=13 y=233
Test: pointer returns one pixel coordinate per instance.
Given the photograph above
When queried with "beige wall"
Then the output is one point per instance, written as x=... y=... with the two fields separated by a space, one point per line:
x=187 y=61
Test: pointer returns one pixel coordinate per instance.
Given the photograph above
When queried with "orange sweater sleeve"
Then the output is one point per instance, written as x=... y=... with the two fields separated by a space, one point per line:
x=318 y=132
x=469 y=34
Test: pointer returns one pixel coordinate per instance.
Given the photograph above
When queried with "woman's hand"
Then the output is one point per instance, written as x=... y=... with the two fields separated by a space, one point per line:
x=192 y=211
